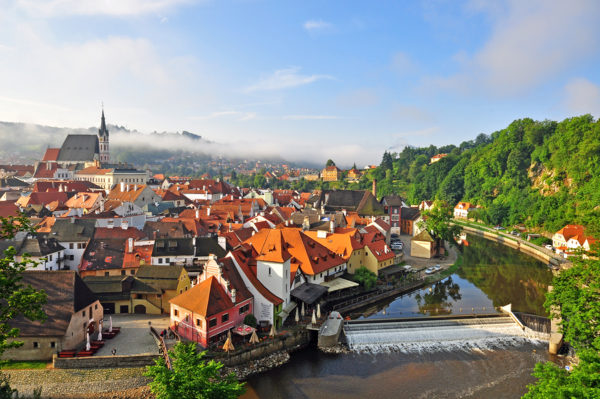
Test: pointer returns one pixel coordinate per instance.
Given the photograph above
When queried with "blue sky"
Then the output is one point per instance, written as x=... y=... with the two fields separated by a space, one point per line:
x=306 y=80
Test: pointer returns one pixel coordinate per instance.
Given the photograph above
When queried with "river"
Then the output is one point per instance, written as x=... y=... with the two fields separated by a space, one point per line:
x=489 y=275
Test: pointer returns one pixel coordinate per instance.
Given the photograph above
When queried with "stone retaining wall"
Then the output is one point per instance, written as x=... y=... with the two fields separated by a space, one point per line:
x=288 y=342
x=94 y=362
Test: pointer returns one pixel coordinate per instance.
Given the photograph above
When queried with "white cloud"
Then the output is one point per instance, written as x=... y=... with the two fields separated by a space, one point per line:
x=54 y=8
x=309 y=117
x=582 y=97
x=319 y=25
x=237 y=115
x=284 y=79
x=531 y=43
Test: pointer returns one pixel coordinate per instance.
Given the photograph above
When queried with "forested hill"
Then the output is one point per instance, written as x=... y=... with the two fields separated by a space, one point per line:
x=543 y=174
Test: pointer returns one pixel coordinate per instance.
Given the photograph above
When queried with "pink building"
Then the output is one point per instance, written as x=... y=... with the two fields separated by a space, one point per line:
x=218 y=303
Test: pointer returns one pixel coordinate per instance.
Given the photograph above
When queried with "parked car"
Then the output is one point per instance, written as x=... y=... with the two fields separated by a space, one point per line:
x=548 y=246
x=437 y=268
x=395 y=236
x=515 y=233
x=407 y=268
x=498 y=227
x=429 y=270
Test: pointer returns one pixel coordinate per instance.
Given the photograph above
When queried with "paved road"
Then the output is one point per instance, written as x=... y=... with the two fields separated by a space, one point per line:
x=134 y=338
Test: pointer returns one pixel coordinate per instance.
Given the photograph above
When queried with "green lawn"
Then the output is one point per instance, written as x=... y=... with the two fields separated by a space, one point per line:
x=12 y=365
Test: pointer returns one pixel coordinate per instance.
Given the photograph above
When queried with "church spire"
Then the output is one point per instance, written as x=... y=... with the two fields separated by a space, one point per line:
x=103 y=130
x=103 y=140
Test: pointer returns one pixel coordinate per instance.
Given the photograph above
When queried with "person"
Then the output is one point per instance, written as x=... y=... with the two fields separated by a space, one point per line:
x=162 y=333
x=114 y=351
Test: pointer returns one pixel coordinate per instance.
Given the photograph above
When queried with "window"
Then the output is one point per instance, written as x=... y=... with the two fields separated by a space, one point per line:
x=175 y=312
x=198 y=322
x=159 y=260
x=50 y=258
x=225 y=318
x=132 y=272
x=212 y=322
x=106 y=274
x=53 y=344
x=122 y=272
x=83 y=314
x=244 y=309
x=269 y=271
x=71 y=245
x=71 y=257
x=36 y=344
x=96 y=306
x=91 y=314
x=80 y=245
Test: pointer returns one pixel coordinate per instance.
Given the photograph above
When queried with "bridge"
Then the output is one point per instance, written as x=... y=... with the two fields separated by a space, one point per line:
x=481 y=331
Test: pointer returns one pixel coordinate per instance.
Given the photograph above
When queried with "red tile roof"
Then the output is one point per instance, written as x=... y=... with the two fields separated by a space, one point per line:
x=51 y=154
x=207 y=298
x=244 y=262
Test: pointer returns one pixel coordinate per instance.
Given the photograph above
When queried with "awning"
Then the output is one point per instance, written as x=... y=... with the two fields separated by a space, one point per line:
x=287 y=310
x=338 y=284
x=309 y=293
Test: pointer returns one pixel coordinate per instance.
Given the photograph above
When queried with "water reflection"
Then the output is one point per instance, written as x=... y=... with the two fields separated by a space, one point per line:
x=436 y=300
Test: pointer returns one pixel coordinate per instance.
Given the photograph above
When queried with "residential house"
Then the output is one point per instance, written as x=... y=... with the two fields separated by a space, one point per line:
x=361 y=201
x=71 y=310
x=409 y=218
x=423 y=245
x=73 y=234
x=43 y=253
x=393 y=204
x=138 y=194
x=571 y=238
x=125 y=294
x=331 y=173
x=110 y=177
x=436 y=158
x=170 y=281
x=218 y=303
x=462 y=209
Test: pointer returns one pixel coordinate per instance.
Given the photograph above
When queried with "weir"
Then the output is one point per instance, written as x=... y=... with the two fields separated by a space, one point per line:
x=482 y=332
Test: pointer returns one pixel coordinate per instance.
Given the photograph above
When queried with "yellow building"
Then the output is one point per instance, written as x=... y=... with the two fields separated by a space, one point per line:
x=331 y=173
x=108 y=178
x=170 y=280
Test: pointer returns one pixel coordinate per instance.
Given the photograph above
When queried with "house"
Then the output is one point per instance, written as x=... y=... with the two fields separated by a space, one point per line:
x=462 y=209
x=426 y=205
x=85 y=201
x=361 y=201
x=354 y=174
x=331 y=173
x=436 y=158
x=571 y=238
x=71 y=308
x=423 y=245
x=189 y=252
x=109 y=177
x=170 y=281
x=408 y=220
x=383 y=227
x=73 y=234
x=346 y=243
x=125 y=294
x=138 y=194
x=219 y=302
x=44 y=253
x=392 y=204
x=378 y=255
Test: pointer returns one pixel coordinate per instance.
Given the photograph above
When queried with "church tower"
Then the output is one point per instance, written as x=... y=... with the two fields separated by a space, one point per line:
x=103 y=141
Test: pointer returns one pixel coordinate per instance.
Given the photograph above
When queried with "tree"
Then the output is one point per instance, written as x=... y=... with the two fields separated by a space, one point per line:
x=387 y=162
x=438 y=221
x=329 y=163
x=17 y=298
x=367 y=278
x=191 y=377
x=575 y=298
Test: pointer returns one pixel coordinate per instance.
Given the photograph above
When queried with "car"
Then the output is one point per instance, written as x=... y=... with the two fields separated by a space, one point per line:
x=498 y=227
x=437 y=268
x=429 y=270
x=396 y=236
x=396 y=246
x=407 y=268
x=515 y=233
x=549 y=247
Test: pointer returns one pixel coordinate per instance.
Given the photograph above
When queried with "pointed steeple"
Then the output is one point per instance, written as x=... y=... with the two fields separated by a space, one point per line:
x=103 y=131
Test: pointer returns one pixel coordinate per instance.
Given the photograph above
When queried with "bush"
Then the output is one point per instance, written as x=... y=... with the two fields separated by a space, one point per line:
x=250 y=320
x=365 y=277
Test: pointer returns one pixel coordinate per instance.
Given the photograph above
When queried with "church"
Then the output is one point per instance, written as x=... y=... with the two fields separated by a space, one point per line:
x=84 y=149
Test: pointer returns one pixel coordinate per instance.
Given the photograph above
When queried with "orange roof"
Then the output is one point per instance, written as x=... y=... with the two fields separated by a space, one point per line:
x=571 y=230
x=206 y=299
x=381 y=251
x=464 y=205
x=342 y=243
x=244 y=262
x=94 y=170
x=51 y=154
x=270 y=246
x=83 y=200
x=138 y=254
x=134 y=191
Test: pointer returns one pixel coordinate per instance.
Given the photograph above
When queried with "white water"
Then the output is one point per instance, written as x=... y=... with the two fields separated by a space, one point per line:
x=435 y=335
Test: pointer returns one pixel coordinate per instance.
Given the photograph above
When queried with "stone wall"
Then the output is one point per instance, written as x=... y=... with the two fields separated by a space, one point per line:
x=289 y=341
x=94 y=362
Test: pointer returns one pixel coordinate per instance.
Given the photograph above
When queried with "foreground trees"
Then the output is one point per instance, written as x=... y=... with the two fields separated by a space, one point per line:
x=191 y=377
x=576 y=299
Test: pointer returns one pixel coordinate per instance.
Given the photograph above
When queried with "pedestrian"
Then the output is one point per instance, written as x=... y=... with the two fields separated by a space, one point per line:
x=114 y=351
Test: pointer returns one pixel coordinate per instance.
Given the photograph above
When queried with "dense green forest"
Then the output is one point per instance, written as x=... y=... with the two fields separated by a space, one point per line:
x=540 y=173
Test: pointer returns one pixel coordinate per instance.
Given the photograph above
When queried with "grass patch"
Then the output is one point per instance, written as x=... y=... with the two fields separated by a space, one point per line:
x=13 y=365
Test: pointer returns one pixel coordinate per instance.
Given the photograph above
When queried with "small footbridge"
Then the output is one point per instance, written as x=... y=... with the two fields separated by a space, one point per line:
x=480 y=331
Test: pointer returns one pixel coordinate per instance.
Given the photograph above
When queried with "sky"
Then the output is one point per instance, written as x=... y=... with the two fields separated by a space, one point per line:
x=305 y=80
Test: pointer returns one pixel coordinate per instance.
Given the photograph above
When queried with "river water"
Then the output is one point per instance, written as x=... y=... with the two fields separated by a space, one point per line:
x=490 y=275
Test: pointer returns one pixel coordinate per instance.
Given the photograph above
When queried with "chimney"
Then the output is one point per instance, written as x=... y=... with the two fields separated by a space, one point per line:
x=124 y=224
x=122 y=186
x=135 y=187
x=233 y=292
x=208 y=211
x=197 y=213
x=345 y=212
x=374 y=188
x=332 y=227
x=130 y=245
x=127 y=187
x=306 y=224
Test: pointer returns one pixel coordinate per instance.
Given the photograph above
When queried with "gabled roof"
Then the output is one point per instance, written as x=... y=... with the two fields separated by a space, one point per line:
x=83 y=200
x=410 y=213
x=42 y=199
x=51 y=154
x=270 y=246
x=79 y=147
x=12 y=182
x=160 y=277
x=45 y=170
x=208 y=245
x=65 y=185
x=8 y=209
x=67 y=294
x=39 y=246
x=174 y=247
x=423 y=236
x=72 y=230
x=381 y=251
x=392 y=200
x=108 y=288
x=244 y=262
x=101 y=254
x=131 y=193
x=206 y=299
